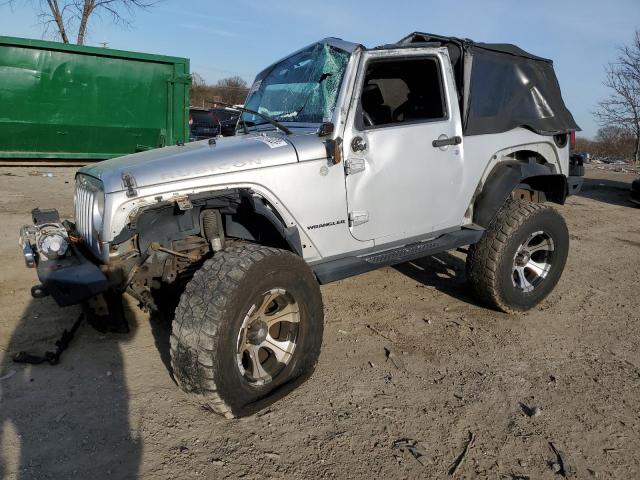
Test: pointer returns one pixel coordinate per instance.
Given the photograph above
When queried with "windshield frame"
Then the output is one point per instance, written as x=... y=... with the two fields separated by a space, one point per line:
x=347 y=47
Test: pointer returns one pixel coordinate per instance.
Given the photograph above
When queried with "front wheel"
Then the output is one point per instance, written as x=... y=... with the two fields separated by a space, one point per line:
x=521 y=256
x=249 y=322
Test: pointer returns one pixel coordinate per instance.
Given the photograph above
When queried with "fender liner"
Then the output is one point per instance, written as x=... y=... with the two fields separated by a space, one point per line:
x=164 y=222
x=291 y=235
x=508 y=175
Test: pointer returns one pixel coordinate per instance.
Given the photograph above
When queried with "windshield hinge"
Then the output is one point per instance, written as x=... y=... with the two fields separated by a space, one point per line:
x=354 y=165
x=358 y=218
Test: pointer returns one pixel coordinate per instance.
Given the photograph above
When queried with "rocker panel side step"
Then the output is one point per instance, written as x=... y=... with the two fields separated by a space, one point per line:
x=349 y=266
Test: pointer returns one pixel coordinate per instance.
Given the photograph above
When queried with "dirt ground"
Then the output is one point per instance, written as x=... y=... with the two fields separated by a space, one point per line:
x=110 y=410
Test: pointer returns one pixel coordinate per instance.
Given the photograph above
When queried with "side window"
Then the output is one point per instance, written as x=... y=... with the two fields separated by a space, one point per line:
x=399 y=91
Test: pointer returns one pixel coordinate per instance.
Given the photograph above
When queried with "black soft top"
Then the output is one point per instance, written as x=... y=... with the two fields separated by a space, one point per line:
x=501 y=87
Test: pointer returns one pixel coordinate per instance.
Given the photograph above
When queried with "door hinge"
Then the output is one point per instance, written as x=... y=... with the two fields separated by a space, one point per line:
x=183 y=202
x=358 y=218
x=354 y=165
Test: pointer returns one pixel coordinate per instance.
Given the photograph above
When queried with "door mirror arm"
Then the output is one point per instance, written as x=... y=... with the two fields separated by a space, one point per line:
x=334 y=150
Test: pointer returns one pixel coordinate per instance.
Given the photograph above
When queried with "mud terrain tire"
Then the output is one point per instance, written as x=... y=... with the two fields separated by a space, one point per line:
x=216 y=341
x=520 y=258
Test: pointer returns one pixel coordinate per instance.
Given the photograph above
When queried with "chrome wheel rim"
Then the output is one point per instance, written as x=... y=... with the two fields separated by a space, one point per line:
x=532 y=261
x=268 y=337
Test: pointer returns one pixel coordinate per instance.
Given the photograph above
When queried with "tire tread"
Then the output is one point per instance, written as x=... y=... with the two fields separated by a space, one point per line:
x=201 y=313
x=484 y=258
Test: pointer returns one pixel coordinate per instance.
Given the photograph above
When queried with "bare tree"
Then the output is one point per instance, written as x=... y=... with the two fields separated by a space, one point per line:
x=197 y=80
x=233 y=89
x=612 y=142
x=229 y=90
x=622 y=107
x=58 y=16
x=66 y=15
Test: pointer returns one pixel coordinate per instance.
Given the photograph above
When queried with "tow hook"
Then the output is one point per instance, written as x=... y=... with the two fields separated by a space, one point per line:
x=39 y=291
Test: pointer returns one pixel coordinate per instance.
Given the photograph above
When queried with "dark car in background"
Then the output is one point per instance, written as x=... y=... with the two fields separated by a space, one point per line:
x=634 y=196
x=227 y=121
x=207 y=123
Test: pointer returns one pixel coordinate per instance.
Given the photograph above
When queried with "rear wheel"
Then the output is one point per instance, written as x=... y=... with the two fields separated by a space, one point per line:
x=249 y=322
x=521 y=256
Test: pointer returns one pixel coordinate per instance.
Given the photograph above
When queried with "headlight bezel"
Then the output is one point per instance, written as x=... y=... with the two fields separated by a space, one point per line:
x=97 y=220
x=89 y=209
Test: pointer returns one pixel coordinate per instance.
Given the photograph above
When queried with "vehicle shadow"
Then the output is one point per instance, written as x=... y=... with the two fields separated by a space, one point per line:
x=607 y=191
x=166 y=298
x=444 y=272
x=68 y=420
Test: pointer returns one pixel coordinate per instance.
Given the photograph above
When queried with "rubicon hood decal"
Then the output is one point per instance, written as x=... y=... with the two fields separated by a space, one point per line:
x=196 y=159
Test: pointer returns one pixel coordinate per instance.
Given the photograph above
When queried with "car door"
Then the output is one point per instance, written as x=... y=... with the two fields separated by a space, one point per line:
x=403 y=146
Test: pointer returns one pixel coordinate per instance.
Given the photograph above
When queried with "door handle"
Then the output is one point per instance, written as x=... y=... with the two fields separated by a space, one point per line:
x=447 y=141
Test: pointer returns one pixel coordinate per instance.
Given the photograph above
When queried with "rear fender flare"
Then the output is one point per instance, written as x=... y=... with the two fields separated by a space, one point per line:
x=508 y=175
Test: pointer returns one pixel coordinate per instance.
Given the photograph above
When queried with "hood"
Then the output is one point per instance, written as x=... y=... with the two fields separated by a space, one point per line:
x=197 y=159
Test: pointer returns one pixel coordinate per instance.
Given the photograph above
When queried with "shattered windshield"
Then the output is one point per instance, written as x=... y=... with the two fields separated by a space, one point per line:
x=301 y=88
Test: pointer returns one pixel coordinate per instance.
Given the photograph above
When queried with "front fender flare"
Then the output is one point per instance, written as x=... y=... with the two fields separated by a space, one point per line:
x=291 y=235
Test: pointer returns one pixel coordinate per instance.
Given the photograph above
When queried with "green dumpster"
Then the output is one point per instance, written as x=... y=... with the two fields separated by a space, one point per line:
x=73 y=102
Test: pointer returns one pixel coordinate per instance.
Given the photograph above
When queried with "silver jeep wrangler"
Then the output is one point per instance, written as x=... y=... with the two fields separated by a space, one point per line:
x=346 y=159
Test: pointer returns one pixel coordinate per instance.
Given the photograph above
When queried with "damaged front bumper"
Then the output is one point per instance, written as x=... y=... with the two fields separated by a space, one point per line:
x=70 y=278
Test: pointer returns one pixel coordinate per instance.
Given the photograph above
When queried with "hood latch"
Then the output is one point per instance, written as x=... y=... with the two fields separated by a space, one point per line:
x=129 y=183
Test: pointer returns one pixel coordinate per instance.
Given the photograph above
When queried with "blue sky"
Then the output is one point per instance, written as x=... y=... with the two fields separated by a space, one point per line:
x=242 y=36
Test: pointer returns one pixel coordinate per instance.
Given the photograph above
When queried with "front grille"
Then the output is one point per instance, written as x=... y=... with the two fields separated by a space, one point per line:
x=84 y=203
